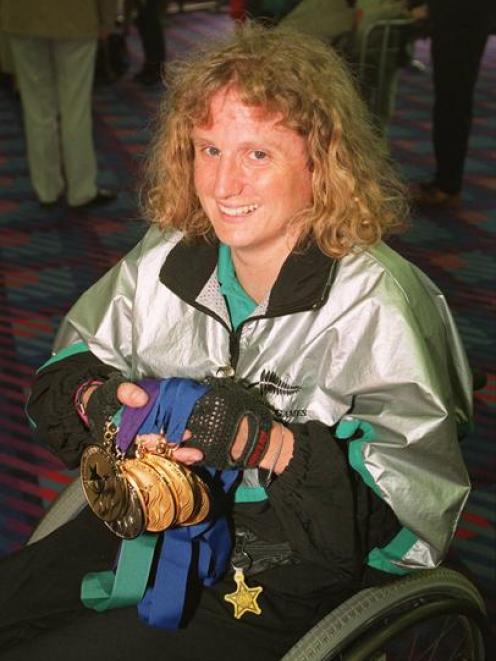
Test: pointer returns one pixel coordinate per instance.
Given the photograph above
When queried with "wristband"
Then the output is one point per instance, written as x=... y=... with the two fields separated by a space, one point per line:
x=78 y=398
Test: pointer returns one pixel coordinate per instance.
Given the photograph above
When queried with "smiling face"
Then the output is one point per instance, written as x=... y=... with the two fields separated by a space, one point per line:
x=251 y=176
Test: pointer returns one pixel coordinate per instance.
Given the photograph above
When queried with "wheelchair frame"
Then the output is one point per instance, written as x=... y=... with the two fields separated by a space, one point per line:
x=379 y=50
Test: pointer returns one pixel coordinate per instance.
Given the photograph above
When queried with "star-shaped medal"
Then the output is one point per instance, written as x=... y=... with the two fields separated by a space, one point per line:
x=244 y=599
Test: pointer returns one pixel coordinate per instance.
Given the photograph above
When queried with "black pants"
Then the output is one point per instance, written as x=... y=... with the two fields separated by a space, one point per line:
x=43 y=618
x=459 y=35
x=149 y=25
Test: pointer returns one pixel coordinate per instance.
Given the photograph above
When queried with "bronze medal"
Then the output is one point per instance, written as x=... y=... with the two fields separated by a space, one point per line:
x=105 y=490
x=177 y=479
x=133 y=522
x=156 y=497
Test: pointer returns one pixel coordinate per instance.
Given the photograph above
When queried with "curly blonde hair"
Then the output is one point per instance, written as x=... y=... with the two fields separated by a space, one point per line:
x=357 y=195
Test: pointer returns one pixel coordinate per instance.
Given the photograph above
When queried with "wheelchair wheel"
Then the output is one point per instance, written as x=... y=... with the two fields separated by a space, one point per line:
x=432 y=615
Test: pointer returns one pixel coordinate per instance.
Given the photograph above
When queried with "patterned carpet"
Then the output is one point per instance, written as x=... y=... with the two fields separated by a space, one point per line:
x=49 y=257
x=457 y=250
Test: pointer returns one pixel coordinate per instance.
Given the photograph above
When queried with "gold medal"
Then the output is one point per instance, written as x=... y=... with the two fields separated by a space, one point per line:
x=244 y=599
x=105 y=490
x=133 y=522
x=177 y=479
x=156 y=497
x=201 y=497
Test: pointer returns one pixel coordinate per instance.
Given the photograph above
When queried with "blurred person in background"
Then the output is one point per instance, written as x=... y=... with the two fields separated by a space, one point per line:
x=459 y=32
x=148 y=21
x=347 y=25
x=53 y=47
x=328 y=20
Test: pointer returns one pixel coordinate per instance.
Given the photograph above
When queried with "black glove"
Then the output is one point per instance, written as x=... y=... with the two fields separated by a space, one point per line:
x=103 y=404
x=215 y=420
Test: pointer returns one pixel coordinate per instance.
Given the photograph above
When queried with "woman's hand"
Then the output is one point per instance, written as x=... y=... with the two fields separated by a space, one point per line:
x=277 y=457
x=130 y=394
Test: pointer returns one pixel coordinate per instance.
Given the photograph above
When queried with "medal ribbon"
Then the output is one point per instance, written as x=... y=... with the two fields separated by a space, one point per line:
x=168 y=409
x=106 y=589
x=163 y=603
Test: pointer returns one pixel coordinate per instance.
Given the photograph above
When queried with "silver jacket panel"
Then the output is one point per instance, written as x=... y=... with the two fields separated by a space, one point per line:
x=382 y=347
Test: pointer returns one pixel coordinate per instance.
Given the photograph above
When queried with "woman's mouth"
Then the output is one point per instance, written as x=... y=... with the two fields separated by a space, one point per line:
x=243 y=210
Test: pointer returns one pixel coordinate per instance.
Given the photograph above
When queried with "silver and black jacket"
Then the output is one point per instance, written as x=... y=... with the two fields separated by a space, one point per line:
x=368 y=336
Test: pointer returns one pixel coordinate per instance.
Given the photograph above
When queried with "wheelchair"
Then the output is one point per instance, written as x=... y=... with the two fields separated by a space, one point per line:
x=429 y=615
x=380 y=51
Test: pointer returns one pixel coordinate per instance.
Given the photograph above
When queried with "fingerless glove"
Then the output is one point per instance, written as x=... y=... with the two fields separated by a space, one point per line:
x=103 y=404
x=215 y=420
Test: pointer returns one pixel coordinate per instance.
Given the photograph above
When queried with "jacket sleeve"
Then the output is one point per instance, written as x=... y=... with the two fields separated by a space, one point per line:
x=401 y=369
x=51 y=409
x=408 y=393
x=328 y=514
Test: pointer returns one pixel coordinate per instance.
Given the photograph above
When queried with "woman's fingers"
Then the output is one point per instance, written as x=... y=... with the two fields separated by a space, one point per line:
x=188 y=456
x=155 y=442
x=132 y=395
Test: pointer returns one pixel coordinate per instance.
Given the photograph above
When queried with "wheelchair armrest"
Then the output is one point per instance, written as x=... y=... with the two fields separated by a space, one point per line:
x=67 y=505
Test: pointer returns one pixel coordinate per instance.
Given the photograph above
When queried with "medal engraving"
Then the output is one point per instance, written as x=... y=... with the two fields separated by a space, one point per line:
x=201 y=500
x=178 y=481
x=105 y=490
x=156 y=497
x=150 y=492
x=133 y=522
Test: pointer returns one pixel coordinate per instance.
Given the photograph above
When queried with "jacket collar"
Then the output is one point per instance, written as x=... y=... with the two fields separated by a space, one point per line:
x=303 y=283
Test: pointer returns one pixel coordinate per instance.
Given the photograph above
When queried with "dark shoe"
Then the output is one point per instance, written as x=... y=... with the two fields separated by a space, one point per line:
x=102 y=197
x=48 y=205
x=429 y=195
x=416 y=66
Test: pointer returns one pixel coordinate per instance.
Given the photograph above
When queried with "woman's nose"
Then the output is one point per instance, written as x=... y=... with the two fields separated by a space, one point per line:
x=229 y=178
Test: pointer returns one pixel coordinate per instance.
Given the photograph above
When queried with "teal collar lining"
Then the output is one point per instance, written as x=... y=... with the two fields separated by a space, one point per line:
x=239 y=303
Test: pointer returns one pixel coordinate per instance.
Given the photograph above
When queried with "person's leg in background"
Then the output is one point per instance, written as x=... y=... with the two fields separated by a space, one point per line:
x=34 y=68
x=456 y=54
x=149 y=25
x=75 y=66
x=459 y=34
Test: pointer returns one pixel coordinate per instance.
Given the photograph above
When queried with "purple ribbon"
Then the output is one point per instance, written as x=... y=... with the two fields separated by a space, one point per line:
x=133 y=418
x=169 y=406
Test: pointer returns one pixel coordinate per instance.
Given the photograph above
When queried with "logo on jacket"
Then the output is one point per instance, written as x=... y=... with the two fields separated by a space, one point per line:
x=271 y=385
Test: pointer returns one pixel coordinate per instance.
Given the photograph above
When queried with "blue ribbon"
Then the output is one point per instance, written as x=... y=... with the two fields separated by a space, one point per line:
x=163 y=603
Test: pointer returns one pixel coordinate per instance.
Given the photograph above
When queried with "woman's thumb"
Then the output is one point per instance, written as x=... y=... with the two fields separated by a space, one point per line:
x=132 y=395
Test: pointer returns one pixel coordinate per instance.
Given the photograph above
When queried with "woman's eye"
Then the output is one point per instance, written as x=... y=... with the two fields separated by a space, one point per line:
x=211 y=151
x=258 y=155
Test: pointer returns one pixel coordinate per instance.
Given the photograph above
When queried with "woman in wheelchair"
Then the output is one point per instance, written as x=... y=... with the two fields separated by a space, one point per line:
x=262 y=395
